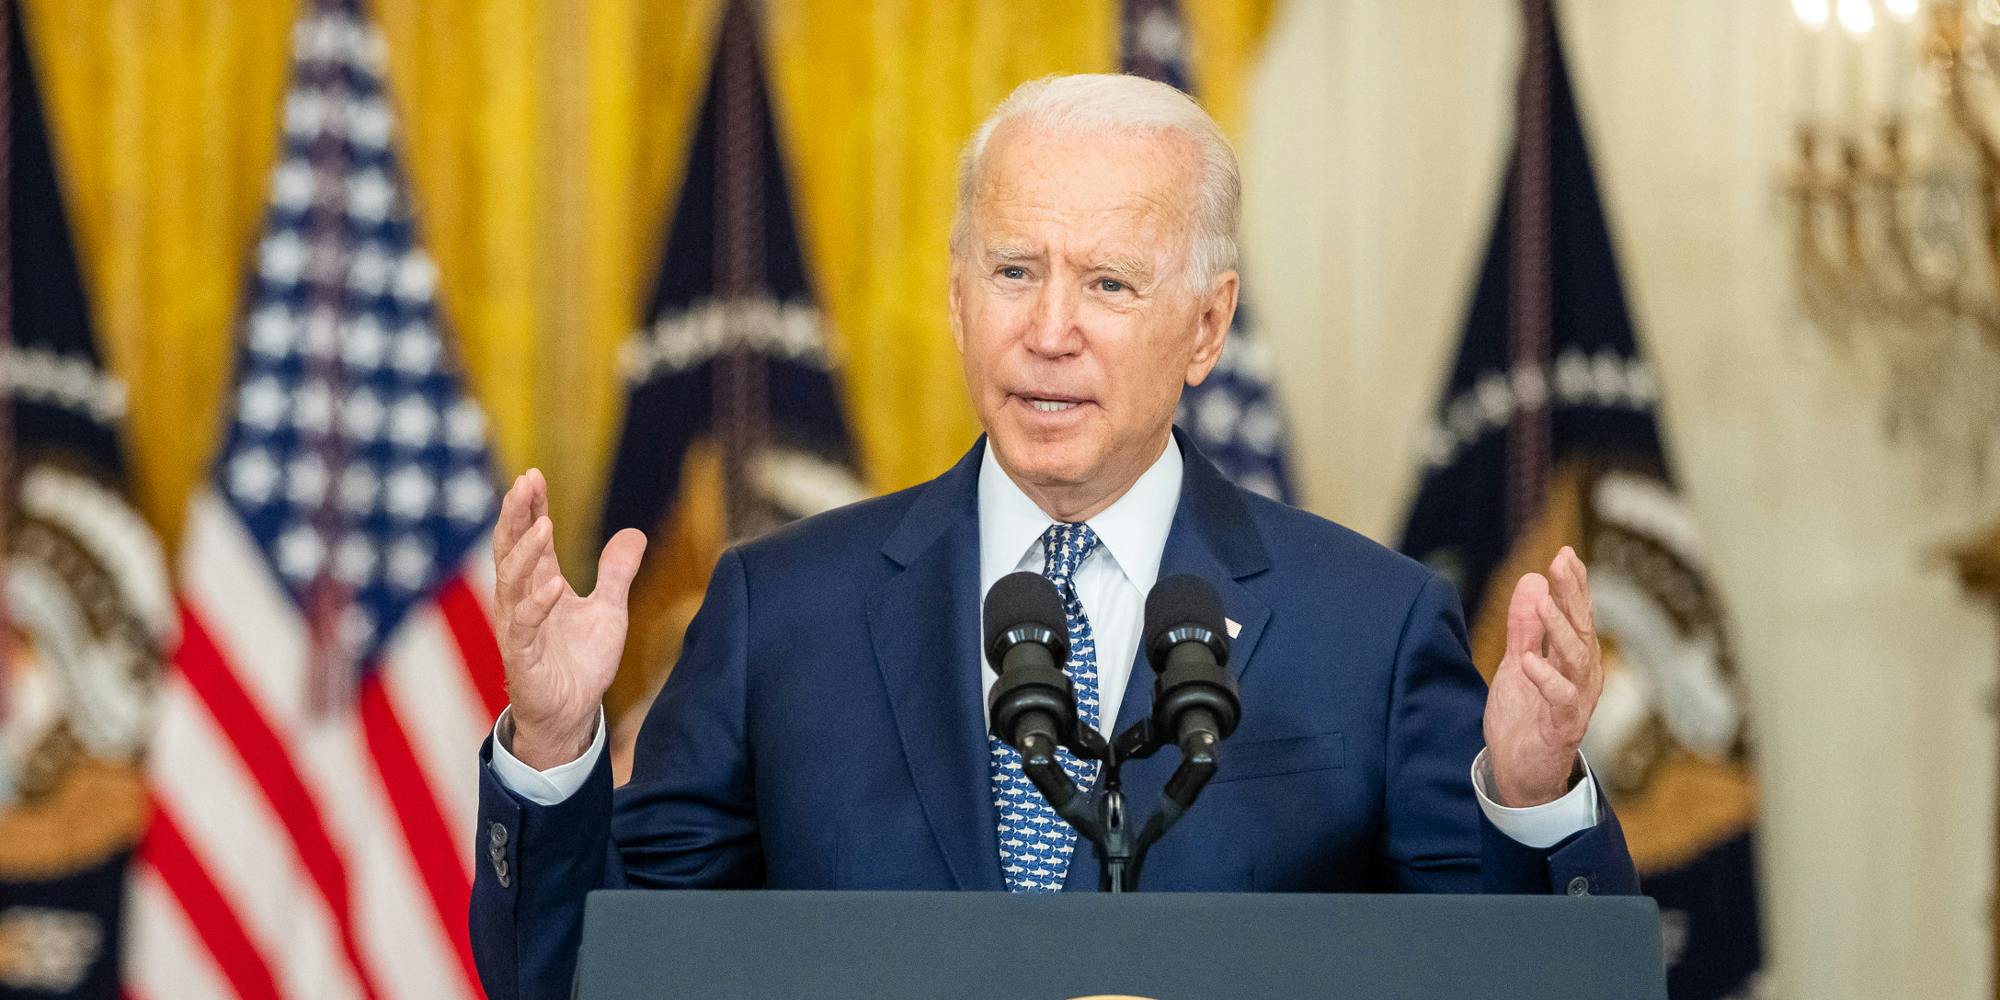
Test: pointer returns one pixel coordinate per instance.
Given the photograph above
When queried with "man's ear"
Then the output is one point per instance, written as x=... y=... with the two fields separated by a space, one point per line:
x=953 y=300
x=1218 y=310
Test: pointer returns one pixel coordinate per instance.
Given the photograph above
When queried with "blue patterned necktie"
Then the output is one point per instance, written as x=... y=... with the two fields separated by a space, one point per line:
x=1035 y=843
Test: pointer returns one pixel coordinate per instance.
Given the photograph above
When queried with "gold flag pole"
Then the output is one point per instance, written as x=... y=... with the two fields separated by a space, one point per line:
x=1978 y=563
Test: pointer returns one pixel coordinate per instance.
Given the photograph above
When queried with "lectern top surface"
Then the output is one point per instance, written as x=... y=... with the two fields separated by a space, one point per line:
x=974 y=946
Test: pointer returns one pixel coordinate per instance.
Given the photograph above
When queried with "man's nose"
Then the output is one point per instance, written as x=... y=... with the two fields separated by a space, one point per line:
x=1052 y=331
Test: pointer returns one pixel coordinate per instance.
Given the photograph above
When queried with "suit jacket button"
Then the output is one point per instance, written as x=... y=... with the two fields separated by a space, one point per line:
x=500 y=871
x=1579 y=886
x=499 y=834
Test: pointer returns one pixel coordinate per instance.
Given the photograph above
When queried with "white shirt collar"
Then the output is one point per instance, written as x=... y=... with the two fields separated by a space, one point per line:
x=1133 y=530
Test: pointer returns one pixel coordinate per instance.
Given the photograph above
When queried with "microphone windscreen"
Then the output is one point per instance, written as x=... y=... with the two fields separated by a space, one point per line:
x=1023 y=599
x=1182 y=599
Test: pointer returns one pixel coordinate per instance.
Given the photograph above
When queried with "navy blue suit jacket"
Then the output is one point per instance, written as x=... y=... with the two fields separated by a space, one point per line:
x=823 y=730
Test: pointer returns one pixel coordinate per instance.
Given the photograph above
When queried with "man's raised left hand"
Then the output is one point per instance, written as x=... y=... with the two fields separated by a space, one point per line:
x=1546 y=687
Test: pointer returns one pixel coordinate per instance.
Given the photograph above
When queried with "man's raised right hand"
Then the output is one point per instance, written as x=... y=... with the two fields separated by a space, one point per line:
x=561 y=650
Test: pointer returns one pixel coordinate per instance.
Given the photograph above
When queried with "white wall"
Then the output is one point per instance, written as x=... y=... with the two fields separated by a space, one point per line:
x=1373 y=157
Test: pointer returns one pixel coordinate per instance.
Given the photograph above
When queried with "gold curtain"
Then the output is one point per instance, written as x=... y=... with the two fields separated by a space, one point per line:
x=875 y=100
x=545 y=137
x=876 y=178
x=163 y=115
x=542 y=138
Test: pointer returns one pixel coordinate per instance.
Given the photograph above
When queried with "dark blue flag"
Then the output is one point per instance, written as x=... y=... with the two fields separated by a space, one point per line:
x=735 y=349
x=734 y=423
x=84 y=610
x=1548 y=434
x=1233 y=414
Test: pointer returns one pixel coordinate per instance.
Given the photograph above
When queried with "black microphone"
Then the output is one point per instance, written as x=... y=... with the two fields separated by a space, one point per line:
x=1033 y=704
x=1194 y=698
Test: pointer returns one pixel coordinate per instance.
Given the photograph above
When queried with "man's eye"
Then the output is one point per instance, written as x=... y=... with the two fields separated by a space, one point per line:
x=1112 y=285
x=1013 y=273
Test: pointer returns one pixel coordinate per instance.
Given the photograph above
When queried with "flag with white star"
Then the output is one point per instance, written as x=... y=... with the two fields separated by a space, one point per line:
x=1233 y=414
x=310 y=772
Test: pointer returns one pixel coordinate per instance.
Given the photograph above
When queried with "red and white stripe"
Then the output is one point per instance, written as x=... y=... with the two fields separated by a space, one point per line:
x=295 y=855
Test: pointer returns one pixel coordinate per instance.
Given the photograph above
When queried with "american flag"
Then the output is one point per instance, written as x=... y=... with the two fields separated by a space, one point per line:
x=311 y=771
x=1233 y=414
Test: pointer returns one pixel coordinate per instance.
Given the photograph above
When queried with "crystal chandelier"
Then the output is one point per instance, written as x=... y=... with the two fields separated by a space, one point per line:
x=1895 y=191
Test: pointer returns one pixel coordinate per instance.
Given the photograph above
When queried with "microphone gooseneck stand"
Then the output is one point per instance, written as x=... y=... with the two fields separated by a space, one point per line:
x=1121 y=851
x=1032 y=707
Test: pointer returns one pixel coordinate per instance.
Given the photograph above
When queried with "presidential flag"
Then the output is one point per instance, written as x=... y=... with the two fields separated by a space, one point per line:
x=311 y=777
x=1233 y=414
x=735 y=349
x=84 y=605
x=1548 y=434
x=733 y=402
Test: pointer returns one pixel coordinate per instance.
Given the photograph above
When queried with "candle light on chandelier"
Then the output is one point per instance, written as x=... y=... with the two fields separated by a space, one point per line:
x=1814 y=15
x=1898 y=241
x=1857 y=18
x=1871 y=59
x=1901 y=50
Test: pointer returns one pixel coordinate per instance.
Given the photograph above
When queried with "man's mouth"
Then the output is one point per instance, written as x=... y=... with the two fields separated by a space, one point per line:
x=1049 y=403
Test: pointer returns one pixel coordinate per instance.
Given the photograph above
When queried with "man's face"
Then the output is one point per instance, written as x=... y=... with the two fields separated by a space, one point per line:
x=1074 y=310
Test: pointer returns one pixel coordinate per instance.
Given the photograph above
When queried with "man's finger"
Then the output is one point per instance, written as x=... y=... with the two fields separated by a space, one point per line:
x=1571 y=589
x=1567 y=650
x=512 y=523
x=538 y=493
x=525 y=621
x=548 y=566
x=515 y=574
x=618 y=564
x=1524 y=624
x=1556 y=689
x=526 y=502
x=532 y=612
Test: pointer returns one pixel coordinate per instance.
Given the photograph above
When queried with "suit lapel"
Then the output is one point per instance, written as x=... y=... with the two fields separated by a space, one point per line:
x=924 y=623
x=1213 y=538
x=1185 y=555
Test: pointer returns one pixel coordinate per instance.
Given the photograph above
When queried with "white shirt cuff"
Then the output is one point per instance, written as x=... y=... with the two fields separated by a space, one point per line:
x=543 y=788
x=1545 y=825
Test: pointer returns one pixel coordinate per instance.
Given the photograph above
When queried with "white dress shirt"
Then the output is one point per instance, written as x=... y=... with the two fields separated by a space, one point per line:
x=1113 y=581
x=1112 y=584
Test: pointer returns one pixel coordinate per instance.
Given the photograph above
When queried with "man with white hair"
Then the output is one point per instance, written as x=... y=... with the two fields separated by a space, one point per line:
x=825 y=727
